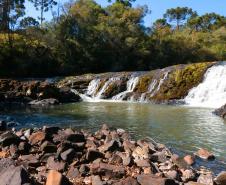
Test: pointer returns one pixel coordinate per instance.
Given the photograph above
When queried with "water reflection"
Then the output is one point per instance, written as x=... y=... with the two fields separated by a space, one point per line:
x=177 y=126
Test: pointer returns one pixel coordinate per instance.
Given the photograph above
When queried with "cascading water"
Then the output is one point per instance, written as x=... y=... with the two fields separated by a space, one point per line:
x=106 y=85
x=131 y=84
x=93 y=87
x=212 y=91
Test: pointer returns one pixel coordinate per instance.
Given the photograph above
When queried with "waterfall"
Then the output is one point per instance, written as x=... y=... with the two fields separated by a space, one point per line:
x=212 y=91
x=131 y=85
x=93 y=87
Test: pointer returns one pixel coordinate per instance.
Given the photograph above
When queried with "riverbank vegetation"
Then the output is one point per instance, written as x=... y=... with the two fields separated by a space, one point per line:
x=84 y=37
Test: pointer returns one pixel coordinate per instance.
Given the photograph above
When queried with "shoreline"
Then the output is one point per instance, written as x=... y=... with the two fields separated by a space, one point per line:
x=106 y=156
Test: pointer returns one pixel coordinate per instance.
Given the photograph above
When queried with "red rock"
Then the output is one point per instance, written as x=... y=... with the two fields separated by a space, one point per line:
x=189 y=159
x=92 y=155
x=56 y=178
x=154 y=180
x=142 y=163
x=205 y=154
x=127 y=181
x=37 y=137
x=221 y=178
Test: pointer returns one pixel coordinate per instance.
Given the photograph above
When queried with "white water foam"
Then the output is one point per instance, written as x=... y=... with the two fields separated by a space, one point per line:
x=211 y=93
x=131 y=85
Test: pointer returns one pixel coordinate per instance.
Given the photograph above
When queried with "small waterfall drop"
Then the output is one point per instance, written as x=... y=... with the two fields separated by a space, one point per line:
x=93 y=87
x=131 y=85
x=212 y=91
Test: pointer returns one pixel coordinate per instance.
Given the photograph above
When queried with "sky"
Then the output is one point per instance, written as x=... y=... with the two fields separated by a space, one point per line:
x=158 y=7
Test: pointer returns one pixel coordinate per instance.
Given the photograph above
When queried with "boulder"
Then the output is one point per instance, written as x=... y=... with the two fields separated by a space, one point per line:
x=221 y=178
x=52 y=164
x=96 y=180
x=190 y=160
x=3 y=125
x=205 y=154
x=48 y=147
x=92 y=155
x=154 y=180
x=37 y=137
x=44 y=102
x=206 y=179
x=221 y=111
x=68 y=155
x=14 y=176
x=5 y=163
x=8 y=138
x=127 y=181
x=56 y=178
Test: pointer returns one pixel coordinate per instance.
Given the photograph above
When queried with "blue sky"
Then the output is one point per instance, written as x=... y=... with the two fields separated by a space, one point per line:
x=158 y=7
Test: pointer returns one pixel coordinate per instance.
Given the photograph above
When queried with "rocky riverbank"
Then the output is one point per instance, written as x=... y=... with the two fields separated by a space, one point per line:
x=34 y=92
x=56 y=156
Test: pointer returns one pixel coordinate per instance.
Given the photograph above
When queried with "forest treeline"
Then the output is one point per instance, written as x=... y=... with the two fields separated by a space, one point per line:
x=84 y=37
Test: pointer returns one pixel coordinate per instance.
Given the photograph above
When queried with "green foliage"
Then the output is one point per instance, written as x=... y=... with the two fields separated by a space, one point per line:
x=88 y=38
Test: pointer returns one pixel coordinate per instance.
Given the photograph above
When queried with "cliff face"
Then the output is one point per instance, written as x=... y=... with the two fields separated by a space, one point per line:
x=166 y=84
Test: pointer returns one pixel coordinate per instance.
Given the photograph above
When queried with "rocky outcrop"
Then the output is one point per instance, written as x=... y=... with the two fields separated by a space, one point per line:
x=171 y=83
x=221 y=111
x=55 y=156
x=36 y=92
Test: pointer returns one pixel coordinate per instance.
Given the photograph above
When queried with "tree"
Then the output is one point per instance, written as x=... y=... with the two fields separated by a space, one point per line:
x=43 y=6
x=179 y=15
x=10 y=11
x=28 y=22
x=125 y=2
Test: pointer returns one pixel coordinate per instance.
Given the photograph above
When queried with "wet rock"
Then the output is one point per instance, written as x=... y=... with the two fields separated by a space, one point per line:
x=205 y=154
x=8 y=138
x=68 y=155
x=48 y=147
x=12 y=124
x=221 y=178
x=14 y=176
x=206 y=179
x=66 y=96
x=221 y=111
x=55 y=165
x=154 y=180
x=44 y=102
x=93 y=155
x=3 y=125
x=56 y=178
x=190 y=160
x=96 y=180
x=37 y=137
